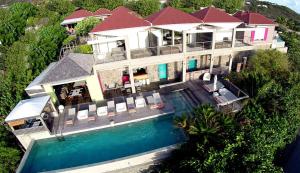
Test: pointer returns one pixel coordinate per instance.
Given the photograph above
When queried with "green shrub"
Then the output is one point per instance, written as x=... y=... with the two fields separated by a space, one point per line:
x=69 y=39
x=85 y=49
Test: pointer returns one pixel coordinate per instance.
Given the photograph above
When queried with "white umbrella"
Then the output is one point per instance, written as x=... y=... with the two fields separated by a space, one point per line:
x=215 y=82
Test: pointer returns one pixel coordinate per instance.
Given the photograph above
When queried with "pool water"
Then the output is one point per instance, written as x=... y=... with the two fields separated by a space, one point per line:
x=106 y=144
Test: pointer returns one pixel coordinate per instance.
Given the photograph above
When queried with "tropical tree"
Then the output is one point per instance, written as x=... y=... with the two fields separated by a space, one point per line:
x=86 y=25
x=230 y=6
x=144 y=7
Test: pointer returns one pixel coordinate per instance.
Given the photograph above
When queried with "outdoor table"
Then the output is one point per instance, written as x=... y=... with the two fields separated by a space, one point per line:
x=75 y=92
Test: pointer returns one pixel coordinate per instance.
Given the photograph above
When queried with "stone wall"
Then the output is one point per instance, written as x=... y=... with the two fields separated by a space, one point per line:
x=110 y=77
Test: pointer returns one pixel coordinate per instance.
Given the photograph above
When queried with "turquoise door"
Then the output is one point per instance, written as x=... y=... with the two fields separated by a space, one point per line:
x=192 y=65
x=162 y=71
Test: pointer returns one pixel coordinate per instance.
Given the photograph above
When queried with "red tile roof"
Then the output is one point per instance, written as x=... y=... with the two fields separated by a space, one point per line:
x=253 y=18
x=121 y=9
x=79 y=14
x=119 y=19
x=102 y=11
x=171 y=15
x=214 y=15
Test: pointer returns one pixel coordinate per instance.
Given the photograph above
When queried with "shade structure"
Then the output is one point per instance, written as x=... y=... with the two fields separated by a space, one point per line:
x=29 y=108
x=215 y=82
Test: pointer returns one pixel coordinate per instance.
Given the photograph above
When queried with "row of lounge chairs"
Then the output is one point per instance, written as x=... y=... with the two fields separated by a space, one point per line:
x=154 y=101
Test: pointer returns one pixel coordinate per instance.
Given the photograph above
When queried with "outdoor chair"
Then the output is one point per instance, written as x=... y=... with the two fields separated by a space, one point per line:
x=111 y=108
x=158 y=103
x=102 y=111
x=121 y=107
x=92 y=112
x=71 y=116
x=130 y=105
x=140 y=102
x=150 y=101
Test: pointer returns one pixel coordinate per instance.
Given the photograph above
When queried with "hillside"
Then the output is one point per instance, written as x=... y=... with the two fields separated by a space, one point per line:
x=272 y=10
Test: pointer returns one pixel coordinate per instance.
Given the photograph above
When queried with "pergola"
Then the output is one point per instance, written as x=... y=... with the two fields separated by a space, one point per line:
x=28 y=109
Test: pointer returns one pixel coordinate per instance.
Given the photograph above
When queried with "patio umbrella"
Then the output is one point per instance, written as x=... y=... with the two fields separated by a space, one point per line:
x=215 y=82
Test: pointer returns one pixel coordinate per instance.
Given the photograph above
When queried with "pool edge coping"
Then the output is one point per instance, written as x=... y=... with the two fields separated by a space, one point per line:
x=25 y=156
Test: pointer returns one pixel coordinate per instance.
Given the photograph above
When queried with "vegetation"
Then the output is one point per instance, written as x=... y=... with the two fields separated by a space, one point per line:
x=86 y=25
x=94 y=5
x=85 y=49
x=251 y=140
x=144 y=7
x=282 y=14
x=230 y=6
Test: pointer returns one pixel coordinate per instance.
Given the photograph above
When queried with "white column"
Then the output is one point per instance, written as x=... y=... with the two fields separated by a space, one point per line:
x=131 y=79
x=184 y=70
x=211 y=63
x=233 y=38
x=230 y=63
x=184 y=41
x=128 y=55
x=173 y=40
x=213 y=40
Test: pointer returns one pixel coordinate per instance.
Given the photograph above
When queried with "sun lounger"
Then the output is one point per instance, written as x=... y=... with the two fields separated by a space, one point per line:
x=130 y=105
x=150 y=101
x=102 y=111
x=140 y=102
x=92 y=112
x=83 y=114
x=158 y=101
x=111 y=108
x=121 y=107
x=71 y=116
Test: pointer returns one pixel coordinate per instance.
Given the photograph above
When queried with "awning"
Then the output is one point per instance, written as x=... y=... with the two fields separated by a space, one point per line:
x=29 y=108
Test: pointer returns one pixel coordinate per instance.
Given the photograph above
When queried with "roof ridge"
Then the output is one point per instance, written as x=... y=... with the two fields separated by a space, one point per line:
x=208 y=10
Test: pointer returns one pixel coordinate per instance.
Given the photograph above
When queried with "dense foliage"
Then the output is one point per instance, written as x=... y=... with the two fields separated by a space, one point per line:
x=230 y=6
x=86 y=25
x=31 y=38
x=251 y=140
x=144 y=7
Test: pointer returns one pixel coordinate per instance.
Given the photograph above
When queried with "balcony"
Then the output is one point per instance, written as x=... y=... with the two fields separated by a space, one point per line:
x=199 y=46
x=156 y=51
x=242 y=42
x=116 y=54
x=223 y=44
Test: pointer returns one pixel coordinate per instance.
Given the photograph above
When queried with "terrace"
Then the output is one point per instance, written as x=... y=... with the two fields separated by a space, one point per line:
x=227 y=97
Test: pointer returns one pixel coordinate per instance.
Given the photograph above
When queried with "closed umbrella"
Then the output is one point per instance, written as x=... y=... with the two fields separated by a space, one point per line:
x=215 y=82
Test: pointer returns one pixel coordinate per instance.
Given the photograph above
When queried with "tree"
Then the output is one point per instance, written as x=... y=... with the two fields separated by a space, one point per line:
x=144 y=7
x=231 y=6
x=197 y=4
x=176 y=3
x=62 y=7
x=86 y=25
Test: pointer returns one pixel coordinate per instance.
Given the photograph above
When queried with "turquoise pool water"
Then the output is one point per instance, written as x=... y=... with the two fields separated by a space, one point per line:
x=107 y=144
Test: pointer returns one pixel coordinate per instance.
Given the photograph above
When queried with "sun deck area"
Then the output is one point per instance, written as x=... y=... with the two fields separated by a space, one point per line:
x=177 y=98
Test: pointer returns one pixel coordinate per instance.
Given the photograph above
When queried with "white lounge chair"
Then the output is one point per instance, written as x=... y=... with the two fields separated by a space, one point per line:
x=71 y=116
x=150 y=101
x=102 y=111
x=140 y=102
x=130 y=105
x=158 y=101
x=121 y=107
x=111 y=108
x=83 y=114
x=92 y=112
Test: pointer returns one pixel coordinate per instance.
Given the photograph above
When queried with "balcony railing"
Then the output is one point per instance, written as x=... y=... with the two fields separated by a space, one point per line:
x=156 y=51
x=223 y=44
x=117 y=54
x=199 y=46
x=242 y=42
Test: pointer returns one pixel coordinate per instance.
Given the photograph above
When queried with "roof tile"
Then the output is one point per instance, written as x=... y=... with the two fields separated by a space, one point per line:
x=171 y=15
x=102 y=11
x=253 y=18
x=214 y=15
x=79 y=14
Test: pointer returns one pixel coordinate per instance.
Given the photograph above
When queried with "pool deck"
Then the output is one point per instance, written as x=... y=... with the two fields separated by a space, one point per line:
x=119 y=119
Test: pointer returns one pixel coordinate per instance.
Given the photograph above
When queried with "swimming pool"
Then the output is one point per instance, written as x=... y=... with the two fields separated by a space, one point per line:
x=106 y=144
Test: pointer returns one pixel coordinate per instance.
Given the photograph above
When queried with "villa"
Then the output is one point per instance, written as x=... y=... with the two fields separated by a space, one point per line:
x=141 y=68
